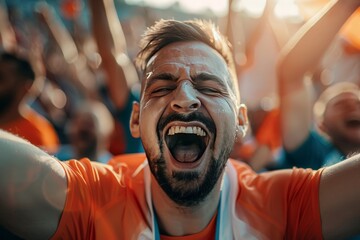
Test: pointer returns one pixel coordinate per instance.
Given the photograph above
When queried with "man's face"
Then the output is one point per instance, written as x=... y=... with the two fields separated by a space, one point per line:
x=342 y=118
x=187 y=119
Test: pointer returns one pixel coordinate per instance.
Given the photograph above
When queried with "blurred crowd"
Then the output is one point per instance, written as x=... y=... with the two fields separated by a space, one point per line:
x=68 y=81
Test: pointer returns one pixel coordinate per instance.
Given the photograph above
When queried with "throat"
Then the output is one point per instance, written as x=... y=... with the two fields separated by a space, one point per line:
x=175 y=220
x=197 y=228
x=186 y=153
x=209 y=232
x=186 y=148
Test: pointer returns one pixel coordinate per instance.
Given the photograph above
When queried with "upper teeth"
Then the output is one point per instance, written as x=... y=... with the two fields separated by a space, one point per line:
x=190 y=130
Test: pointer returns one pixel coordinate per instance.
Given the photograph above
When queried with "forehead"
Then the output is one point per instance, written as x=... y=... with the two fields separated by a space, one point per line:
x=343 y=98
x=192 y=57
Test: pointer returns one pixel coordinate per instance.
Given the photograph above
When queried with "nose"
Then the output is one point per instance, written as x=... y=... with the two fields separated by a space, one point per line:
x=185 y=99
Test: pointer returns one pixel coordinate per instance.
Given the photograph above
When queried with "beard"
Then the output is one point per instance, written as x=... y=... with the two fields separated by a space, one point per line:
x=189 y=188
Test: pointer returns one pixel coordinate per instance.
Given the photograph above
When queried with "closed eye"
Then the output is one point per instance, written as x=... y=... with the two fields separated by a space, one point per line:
x=209 y=90
x=161 y=91
x=210 y=84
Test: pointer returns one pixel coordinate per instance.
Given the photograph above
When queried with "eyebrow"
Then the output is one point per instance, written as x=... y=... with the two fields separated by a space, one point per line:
x=345 y=100
x=208 y=77
x=195 y=77
x=161 y=76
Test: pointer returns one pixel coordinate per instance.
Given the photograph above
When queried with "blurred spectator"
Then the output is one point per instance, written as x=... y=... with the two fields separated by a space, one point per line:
x=76 y=71
x=262 y=144
x=16 y=79
x=89 y=131
x=255 y=50
x=337 y=116
x=120 y=73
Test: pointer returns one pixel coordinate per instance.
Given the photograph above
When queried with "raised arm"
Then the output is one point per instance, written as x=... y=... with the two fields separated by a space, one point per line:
x=80 y=75
x=301 y=55
x=110 y=39
x=33 y=189
x=340 y=199
x=7 y=33
x=58 y=32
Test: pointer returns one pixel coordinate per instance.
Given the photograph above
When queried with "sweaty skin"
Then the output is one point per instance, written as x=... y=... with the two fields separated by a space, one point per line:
x=184 y=79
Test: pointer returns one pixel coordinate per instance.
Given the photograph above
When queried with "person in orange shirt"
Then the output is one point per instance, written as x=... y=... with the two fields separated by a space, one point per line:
x=184 y=186
x=16 y=79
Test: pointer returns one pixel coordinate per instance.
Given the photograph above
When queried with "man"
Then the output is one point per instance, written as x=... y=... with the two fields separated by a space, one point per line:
x=89 y=130
x=188 y=119
x=16 y=79
x=120 y=73
x=336 y=113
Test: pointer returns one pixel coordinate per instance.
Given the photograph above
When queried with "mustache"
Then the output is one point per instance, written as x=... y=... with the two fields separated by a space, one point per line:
x=194 y=116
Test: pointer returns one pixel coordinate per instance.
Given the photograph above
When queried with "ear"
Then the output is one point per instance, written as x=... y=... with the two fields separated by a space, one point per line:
x=321 y=126
x=134 y=120
x=243 y=122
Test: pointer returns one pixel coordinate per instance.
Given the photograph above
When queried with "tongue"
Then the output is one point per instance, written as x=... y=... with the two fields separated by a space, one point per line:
x=186 y=153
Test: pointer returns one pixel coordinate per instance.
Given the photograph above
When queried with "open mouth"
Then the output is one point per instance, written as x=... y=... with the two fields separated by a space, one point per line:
x=353 y=123
x=186 y=143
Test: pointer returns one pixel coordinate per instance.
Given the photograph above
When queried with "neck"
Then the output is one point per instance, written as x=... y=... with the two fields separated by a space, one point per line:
x=175 y=220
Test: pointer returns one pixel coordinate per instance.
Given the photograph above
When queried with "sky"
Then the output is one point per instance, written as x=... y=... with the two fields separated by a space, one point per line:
x=284 y=8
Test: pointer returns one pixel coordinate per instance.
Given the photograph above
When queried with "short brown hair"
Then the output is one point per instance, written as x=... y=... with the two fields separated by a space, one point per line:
x=165 y=32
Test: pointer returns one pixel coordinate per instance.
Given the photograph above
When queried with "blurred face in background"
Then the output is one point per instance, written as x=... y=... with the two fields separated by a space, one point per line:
x=342 y=118
x=83 y=134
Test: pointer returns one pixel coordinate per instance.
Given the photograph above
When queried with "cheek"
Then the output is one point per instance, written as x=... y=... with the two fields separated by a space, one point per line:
x=151 y=112
x=223 y=113
x=332 y=117
x=223 y=109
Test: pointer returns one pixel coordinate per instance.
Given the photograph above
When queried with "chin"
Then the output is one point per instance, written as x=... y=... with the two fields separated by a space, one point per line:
x=190 y=186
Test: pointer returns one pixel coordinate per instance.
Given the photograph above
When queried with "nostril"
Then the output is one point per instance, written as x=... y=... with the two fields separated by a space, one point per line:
x=194 y=106
x=176 y=106
x=186 y=106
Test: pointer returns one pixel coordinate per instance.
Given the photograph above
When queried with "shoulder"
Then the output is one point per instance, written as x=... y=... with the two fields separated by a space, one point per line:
x=130 y=162
x=118 y=169
x=86 y=169
x=96 y=194
x=279 y=203
x=93 y=180
x=287 y=181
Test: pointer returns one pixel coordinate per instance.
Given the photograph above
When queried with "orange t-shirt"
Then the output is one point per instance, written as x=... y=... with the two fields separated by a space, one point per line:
x=207 y=234
x=36 y=129
x=114 y=202
x=269 y=132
